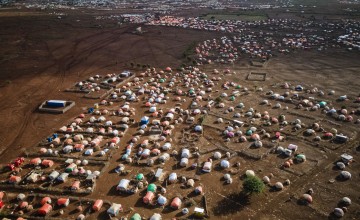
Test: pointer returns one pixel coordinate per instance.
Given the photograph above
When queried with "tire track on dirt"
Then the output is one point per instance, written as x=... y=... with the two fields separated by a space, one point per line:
x=51 y=83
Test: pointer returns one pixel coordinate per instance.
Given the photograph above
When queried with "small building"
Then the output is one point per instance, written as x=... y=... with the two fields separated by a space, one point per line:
x=56 y=106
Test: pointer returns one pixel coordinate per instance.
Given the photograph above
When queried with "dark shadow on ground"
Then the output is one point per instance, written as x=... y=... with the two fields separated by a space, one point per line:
x=233 y=203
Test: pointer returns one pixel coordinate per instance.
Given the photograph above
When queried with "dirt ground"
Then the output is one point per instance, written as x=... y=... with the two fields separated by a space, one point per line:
x=42 y=55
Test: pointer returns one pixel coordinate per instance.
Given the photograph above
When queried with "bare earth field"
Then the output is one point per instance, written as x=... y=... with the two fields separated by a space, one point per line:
x=42 y=55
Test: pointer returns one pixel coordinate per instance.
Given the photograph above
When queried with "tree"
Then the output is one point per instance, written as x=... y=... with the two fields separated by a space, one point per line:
x=218 y=100
x=253 y=184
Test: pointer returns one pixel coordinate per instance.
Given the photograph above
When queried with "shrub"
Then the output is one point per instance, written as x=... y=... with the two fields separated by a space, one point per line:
x=253 y=184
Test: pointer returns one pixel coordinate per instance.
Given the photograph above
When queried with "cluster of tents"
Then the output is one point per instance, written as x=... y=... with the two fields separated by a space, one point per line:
x=308 y=34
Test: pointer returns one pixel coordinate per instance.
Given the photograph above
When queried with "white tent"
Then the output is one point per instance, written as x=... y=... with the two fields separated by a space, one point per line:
x=53 y=175
x=114 y=209
x=63 y=177
x=68 y=148
x=225 y=164
x=161 y=200
x=166 y=146
x=169 y=115
x=123 y=184
x=152 y=109
x=89 y=152
x=33 y=177
x=198 y=128
x=185 y=153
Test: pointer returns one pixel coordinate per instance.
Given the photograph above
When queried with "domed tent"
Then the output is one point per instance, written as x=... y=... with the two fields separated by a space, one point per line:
x=176 y=203
x=136 y=216
x=151 y=187
x=198 y=128
x=225 y=164
x=35 y=161
x=144 y=120
x=155 y=216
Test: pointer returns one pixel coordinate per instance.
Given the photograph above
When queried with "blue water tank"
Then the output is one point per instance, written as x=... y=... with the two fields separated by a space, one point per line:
x=56 y=103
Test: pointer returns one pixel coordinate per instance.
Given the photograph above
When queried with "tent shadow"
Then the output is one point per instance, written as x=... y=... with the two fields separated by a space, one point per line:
x=192 y=194
x=113 y=191
x=340 y=179
x=332 y=216
x=167 y=210
x=179 y=214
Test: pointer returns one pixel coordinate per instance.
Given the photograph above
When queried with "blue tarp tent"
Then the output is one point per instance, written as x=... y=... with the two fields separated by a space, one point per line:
x=144 y=120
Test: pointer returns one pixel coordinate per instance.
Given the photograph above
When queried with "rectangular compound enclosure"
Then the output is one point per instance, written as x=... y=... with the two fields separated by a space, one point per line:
x=56 y=106
x=256 y=76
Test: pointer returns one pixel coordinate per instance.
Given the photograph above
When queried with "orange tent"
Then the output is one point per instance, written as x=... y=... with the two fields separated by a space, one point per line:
x=63 y=202
x=45 y=200
x=148 y=197
x=97 y=205
x=79 y=147
x=176 y=203
x=14 y=179
x=76 y=185
x=35 y=161
x=45 y=209
x=47 y=163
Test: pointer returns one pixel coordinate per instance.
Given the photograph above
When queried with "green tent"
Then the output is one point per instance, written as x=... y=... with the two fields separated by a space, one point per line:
x=232 y=98
x=151 y=187
x=301 y=157
x=136 y=216
x=139 y=176
x=249 y=132
x=322 y=104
